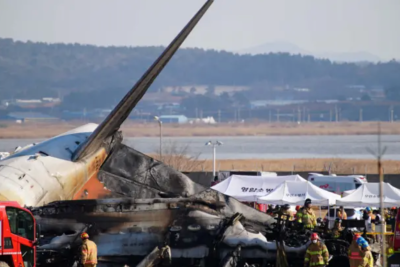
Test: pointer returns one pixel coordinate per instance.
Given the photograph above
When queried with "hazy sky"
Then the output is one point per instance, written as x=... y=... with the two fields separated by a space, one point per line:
x=314 y=25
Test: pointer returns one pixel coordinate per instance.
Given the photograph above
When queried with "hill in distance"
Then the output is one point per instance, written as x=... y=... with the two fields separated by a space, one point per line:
x=286 y=47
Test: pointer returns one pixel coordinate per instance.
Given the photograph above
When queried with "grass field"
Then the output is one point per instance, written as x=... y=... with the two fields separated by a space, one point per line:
x=347 y=166
x=337 y=165
x=45 y=130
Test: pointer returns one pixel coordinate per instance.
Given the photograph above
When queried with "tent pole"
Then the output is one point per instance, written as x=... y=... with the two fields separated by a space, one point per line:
x=383 y=251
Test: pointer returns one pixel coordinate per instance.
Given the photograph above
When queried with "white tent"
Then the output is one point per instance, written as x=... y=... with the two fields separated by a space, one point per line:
x=295 y=193
x=368 y=195
x=249 y=188
x=348 y=192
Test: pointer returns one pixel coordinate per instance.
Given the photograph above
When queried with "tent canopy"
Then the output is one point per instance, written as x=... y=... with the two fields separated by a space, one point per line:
x=295 y=193
x=249 y=188
x=368 y=195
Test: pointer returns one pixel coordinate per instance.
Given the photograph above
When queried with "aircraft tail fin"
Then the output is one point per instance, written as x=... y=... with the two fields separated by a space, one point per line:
x=119 y=114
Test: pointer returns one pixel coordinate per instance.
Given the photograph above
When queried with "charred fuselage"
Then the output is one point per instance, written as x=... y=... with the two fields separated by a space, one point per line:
x=205 y=226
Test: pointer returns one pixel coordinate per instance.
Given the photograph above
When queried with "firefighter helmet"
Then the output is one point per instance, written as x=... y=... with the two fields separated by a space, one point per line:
x=84 y=236
x=314 y=236
x=356 y=236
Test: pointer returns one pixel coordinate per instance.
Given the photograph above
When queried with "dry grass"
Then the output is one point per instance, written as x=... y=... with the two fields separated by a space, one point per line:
x=45 y=130
x=179 y=157
x=340 y=166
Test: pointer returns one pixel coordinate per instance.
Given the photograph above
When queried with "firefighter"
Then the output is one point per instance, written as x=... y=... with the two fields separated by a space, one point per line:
x=298 y=209
x=89 y=251
x=337 y=229
x=165 y=255
x=392 y=218
x=355 y=253
x=317 y=254
x=368 y=260
x=306 y=216
x=371 y=219
x=285 y=213
x=342 y=214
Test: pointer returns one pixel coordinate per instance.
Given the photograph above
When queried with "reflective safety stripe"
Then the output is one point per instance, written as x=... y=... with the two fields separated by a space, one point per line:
x=355 y=257
x=314 y=252
x=317 y=263
x=306 y=259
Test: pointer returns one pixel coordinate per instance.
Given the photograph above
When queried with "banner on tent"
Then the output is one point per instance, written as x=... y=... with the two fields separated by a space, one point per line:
x=296 y=195
x=372 y=196
x=256 y=190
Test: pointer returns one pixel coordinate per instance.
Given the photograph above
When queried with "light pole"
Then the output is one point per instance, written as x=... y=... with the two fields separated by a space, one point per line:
x=214 y=145
x=160 y=124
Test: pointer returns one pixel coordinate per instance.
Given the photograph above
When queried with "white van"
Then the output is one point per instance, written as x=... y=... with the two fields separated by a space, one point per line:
x=337 y=184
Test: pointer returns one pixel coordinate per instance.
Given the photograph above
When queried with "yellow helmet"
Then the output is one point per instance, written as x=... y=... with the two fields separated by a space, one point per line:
x=84 y=236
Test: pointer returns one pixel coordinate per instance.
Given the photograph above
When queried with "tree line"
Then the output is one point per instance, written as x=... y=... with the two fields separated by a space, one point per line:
x=81 y=72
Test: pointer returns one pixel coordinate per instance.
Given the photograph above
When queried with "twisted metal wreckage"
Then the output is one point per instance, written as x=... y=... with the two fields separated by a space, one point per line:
x=131 y=204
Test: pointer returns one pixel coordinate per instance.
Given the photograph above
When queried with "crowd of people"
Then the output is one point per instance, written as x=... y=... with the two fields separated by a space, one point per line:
x=317 y=254
x=359 y=252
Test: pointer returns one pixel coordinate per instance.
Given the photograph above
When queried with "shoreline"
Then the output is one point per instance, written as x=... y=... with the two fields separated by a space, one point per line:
x=42 y=130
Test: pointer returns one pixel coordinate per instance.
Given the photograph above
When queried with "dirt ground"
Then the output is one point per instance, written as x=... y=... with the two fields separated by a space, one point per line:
x=130 y=129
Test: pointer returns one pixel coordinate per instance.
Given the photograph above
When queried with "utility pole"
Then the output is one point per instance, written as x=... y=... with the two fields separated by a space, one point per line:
x=277 y=115
x=304 y=113
x=361 y=115
x=214 y=145
x=160 y=126
x=298 y=115
x=336 y=114
x=201 y=114
x=330 y=115
x=309 y=116
x=219 y=116
x=391 y=113
x=238 y=112
x=379 y=156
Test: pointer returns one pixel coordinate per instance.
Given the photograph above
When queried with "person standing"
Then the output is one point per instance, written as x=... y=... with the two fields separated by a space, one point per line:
x=368 y=259
x=306 y=216
x=285 y=213
x=317 y=254
x=337 y=229
x=355 y=254
x=342 y=213
x=89 y=251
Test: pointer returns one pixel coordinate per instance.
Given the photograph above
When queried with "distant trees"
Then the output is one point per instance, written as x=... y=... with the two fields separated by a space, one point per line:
x=393 y=93
x=29 y=70
x=365 y=97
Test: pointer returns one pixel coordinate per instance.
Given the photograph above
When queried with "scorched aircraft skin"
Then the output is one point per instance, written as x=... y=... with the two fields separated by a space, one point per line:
x=60 y=168
x=129 y=203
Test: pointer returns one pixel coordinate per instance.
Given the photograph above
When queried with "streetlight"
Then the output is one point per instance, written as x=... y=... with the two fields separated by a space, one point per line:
x=160 y=124
x=214 y=145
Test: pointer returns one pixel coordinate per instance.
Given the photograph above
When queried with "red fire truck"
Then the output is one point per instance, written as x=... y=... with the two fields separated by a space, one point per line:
x=17 y=236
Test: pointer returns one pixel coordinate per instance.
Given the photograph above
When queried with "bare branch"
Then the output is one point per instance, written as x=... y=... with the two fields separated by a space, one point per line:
x=179 y=157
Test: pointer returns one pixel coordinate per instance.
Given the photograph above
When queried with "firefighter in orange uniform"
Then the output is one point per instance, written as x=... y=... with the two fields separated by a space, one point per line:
x=89 y=251
x=355 y=253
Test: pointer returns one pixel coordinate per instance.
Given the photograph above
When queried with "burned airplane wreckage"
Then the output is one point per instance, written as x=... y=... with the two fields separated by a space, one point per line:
x=130 y=204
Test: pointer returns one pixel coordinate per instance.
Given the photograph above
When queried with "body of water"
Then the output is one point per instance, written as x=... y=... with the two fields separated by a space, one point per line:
x=266 y=147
